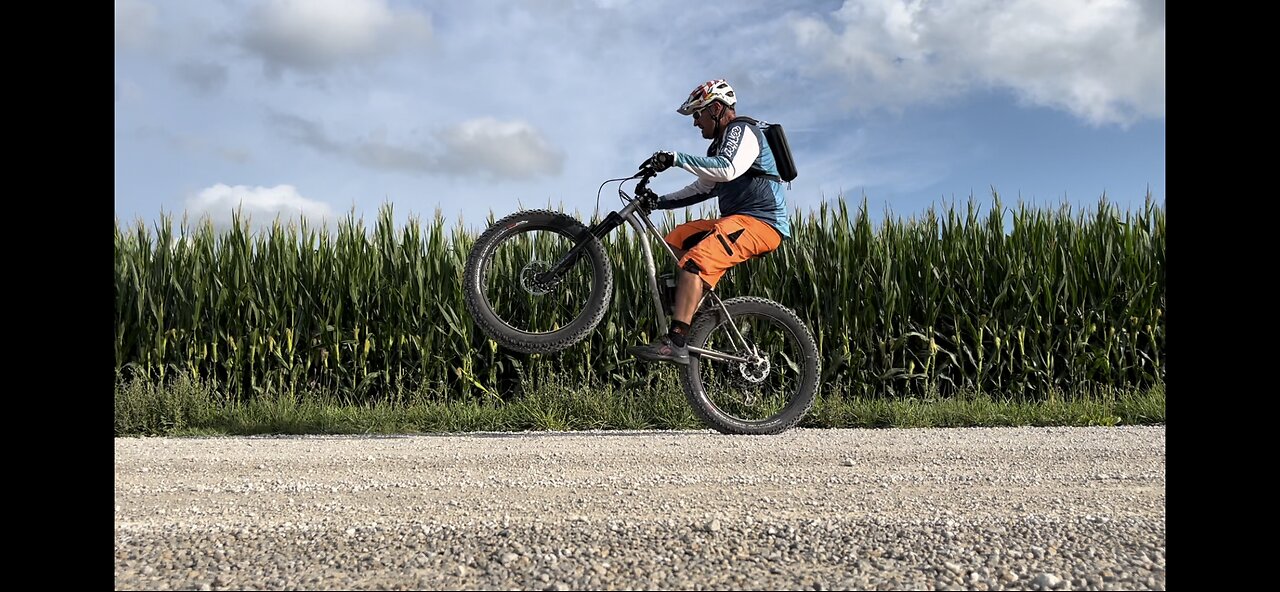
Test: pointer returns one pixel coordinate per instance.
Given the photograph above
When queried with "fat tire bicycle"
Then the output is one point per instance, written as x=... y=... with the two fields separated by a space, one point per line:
x=753 y=364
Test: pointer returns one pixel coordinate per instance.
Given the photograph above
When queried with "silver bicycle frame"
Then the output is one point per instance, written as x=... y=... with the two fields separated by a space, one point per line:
x=643 y=225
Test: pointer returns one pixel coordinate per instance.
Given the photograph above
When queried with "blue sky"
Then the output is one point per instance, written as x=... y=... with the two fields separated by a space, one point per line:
x=318 y=108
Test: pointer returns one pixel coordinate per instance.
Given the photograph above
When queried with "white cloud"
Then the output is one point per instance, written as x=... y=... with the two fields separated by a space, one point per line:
x=504 y=149
x=260 y=205
x=1101 y=60
x=317 y=35
x=481 y=147
x=135 y=21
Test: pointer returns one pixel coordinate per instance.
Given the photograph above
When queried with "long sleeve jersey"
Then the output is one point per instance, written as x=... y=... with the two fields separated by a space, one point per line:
x=734 y=170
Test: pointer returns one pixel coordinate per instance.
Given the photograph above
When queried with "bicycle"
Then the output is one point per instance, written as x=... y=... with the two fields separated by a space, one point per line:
x=746 y=353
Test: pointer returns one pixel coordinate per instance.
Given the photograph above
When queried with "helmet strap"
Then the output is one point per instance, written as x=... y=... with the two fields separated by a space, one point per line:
x=715 y=131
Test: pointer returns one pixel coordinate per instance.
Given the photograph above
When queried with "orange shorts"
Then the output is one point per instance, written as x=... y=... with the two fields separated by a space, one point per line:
x=713 y=246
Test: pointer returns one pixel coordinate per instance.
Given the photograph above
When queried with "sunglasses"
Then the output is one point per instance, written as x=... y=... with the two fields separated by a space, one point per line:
x=697 y=113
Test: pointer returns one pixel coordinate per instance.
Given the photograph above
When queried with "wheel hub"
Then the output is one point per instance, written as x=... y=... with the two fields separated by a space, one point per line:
x=529 y=278
x=755 y=369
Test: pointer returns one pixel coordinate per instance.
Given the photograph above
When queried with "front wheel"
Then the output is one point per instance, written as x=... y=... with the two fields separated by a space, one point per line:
x=768 y=393
x=512 y=298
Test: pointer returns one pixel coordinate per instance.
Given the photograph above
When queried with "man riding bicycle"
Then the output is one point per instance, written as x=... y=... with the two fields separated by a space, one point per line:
x=739 y=169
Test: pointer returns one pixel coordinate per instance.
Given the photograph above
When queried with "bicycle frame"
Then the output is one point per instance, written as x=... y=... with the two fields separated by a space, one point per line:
x=634 y=214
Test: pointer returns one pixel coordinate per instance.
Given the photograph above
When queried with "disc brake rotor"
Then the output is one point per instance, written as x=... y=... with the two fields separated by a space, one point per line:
x=529 y=278
x=754 y=370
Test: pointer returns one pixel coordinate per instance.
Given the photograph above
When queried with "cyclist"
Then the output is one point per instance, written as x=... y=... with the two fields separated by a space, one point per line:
x=739 y=169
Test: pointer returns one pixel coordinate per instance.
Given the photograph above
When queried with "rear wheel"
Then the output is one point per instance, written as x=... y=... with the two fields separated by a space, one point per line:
x=515 y=303
x=769 y=393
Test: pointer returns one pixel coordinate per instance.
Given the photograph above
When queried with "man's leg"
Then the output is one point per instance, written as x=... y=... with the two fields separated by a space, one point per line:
x=688 y=295
x=685 y=301
x=672 y=345
x=741 y=238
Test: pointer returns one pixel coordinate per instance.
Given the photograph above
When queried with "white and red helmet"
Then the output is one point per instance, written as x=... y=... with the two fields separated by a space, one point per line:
x=707 y=93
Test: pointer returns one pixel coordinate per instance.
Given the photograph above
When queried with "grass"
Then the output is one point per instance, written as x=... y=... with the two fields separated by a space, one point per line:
x=187 y=408
x=1115 y=407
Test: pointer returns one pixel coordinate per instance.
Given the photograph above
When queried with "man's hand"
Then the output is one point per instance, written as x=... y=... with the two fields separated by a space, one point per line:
x=660 y=161
x=647 y=194
x=648 y=197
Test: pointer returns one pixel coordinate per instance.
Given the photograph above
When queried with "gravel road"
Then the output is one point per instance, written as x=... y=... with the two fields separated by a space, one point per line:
x=971 y=508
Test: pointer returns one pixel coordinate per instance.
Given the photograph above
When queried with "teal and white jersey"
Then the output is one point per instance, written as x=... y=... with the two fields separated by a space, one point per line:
x=734 y=170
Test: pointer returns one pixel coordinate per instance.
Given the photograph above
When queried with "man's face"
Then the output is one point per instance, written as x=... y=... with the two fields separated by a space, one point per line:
x=705 y=119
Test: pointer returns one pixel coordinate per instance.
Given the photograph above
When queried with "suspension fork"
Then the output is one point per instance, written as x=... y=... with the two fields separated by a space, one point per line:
x=599 y=230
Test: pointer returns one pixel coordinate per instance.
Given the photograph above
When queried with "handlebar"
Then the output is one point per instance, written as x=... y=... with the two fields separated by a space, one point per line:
x=642 y=192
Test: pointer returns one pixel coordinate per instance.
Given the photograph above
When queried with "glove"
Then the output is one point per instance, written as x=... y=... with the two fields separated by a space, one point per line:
x=648 y=194
x=660 y=161
x=650 y=198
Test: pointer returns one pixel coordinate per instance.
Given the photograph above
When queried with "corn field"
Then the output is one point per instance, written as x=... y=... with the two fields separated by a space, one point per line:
x=1019 y=302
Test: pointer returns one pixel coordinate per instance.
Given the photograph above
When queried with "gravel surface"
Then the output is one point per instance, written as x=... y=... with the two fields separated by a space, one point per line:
x=971 y=508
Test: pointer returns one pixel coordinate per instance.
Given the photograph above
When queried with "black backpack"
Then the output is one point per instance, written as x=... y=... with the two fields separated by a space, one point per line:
x=777 y=139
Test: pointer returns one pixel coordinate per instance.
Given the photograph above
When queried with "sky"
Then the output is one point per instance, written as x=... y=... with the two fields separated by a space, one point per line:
x=326 y=108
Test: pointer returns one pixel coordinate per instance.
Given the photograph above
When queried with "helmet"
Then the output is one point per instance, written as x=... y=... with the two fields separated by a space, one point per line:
x=707 y=93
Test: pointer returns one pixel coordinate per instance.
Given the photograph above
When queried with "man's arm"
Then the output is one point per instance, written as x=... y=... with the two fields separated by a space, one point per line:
x=736 y=154
x=695 y=192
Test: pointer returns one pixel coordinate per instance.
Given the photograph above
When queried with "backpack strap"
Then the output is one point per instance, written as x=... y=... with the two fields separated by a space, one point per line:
x=755 y=172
